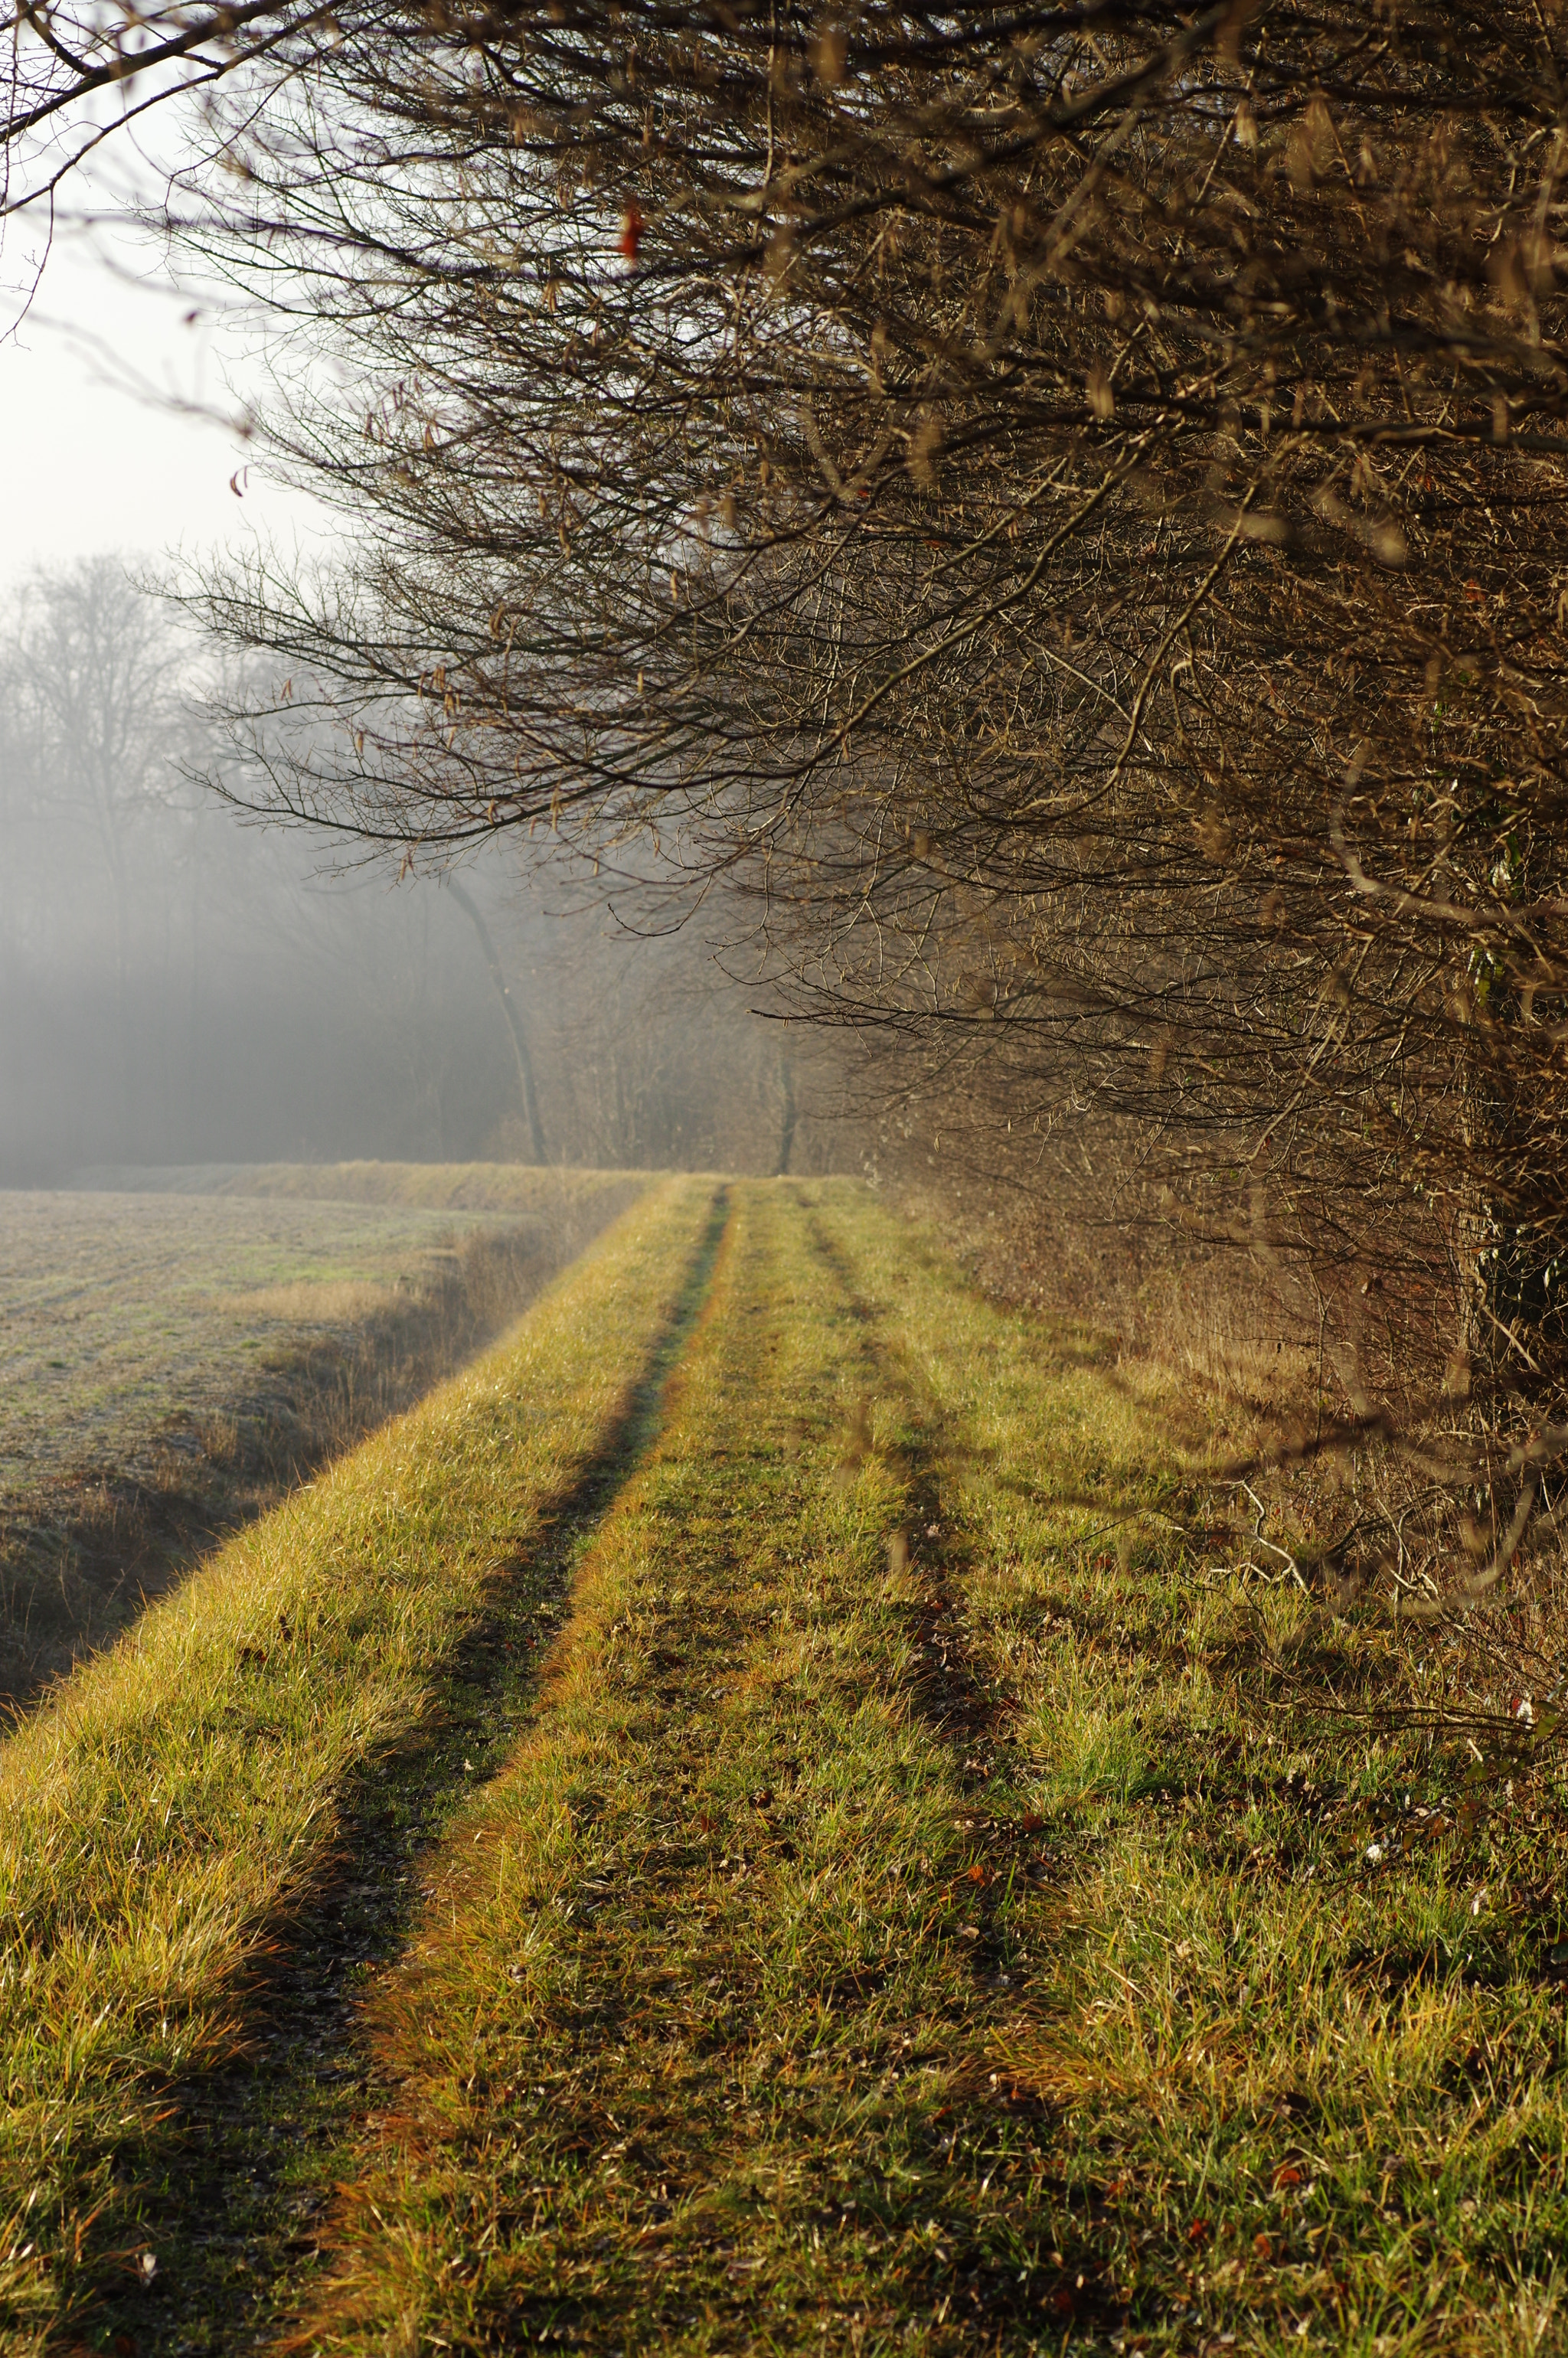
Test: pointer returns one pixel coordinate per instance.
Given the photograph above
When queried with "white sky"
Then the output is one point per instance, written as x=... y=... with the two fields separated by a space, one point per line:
x=86 y=461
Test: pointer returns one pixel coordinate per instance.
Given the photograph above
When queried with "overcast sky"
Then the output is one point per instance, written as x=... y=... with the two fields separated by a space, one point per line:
x=87 y=461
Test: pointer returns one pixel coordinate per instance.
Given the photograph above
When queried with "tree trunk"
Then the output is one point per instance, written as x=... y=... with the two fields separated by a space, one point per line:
x=471 y=909
x=1505 y=1256
x=786 y=1129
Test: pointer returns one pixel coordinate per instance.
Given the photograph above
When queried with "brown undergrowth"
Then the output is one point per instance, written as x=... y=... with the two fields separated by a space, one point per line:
x=1347 y=1459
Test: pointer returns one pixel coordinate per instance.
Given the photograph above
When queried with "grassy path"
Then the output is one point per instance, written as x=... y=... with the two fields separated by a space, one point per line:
x=170 y=1818
x=699 y=2046
x=1299 y=2019
x=896 y=1931
x=883 y=1913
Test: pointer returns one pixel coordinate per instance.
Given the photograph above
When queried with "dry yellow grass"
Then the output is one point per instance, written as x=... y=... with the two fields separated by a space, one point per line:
x=326 y=1302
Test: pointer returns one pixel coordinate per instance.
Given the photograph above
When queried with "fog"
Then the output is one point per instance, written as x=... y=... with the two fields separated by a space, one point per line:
x=180 y=985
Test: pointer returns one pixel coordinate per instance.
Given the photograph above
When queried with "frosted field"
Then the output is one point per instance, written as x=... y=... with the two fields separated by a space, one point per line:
x=123 y=1314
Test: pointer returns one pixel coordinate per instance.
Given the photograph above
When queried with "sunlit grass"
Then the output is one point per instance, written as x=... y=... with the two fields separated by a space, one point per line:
x=1296 y=2002
x=164 y=1807
x=895 y=1933
x=931 y=1905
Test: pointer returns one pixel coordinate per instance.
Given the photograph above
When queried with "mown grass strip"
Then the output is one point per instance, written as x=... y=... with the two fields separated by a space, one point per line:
x=693 y=2052
x=1298 y=2017
x=179 y=1797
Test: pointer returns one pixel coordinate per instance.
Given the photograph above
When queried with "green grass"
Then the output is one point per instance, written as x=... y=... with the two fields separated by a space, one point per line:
x=921 y=1905
x=180 y=1795
x=1299 y=2019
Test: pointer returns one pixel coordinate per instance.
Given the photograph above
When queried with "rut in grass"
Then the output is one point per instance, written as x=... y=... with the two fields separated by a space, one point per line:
x=931 y=1555
x=232 y=2192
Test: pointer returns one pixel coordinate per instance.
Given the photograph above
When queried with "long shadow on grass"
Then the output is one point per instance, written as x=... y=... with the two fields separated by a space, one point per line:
x=1115 y=2262
x=961 y=1711
x=228 y=2201
x=994 y=2282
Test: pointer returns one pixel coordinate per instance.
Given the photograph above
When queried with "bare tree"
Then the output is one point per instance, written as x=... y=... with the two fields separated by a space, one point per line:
x=514 y=1026
x=78 y=74
x=1050 y=508
x=96 y=684
x=1054 y=516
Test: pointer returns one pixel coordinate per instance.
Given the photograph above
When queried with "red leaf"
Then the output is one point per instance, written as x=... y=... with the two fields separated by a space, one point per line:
x=631 y=228
x=1198 y=2232
x=1286 y=2175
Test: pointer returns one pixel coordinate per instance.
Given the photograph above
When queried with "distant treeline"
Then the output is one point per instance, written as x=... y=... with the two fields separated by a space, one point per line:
x=180 y=986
